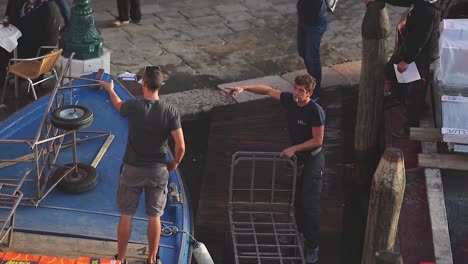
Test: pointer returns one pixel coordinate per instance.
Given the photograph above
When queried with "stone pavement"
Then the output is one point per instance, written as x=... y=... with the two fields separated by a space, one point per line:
x=203 y=43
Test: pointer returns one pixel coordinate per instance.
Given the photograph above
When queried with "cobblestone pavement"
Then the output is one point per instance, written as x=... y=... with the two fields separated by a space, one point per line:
x=202 y=43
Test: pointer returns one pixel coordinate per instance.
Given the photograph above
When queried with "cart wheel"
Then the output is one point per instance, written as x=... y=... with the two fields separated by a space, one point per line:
x=71 y=117
x=80 y=182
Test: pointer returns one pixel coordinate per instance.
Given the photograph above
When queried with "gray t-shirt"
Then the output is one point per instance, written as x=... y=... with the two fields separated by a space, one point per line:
x=149 y=126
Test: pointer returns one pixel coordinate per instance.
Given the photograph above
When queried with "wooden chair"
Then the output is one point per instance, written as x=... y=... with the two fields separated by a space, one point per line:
x=32 y=69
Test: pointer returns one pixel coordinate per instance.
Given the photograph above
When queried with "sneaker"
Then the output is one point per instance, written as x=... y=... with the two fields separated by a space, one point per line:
x=119 y=23
x=311 y=255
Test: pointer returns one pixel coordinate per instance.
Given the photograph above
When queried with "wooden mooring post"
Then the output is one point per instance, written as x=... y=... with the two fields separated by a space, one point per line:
x=388 y=188
x=369 y=133
x=369 y=121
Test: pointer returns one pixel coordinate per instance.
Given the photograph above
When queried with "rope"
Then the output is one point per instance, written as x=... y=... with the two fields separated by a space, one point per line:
x=172 y=230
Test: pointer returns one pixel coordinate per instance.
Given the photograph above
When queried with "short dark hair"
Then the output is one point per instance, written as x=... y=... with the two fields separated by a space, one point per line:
x=153 y=77
x=307 y=81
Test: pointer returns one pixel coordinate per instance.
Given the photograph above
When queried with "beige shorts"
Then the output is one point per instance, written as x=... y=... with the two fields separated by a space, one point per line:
x=134 y=180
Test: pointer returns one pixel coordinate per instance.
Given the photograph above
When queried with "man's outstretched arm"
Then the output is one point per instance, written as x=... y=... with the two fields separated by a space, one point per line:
x=115 y=99
x=256 y=89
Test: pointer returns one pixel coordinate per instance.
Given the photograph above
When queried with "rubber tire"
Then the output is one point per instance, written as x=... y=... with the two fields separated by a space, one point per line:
x=86 y=179
x=82 y=120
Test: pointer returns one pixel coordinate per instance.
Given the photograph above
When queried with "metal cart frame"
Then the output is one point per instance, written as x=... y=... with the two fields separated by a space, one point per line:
x=261 y=209
x=49 y=141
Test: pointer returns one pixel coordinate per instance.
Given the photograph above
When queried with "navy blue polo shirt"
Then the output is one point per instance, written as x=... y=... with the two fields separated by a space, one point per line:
x=301 y=119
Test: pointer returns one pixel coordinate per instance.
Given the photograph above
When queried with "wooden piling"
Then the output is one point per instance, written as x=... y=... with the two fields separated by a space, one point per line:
x=369 y=120
x=387 y=191
x=369 y=133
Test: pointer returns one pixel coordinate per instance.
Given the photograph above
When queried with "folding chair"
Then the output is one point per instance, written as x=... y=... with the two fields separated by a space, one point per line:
x=32 y=69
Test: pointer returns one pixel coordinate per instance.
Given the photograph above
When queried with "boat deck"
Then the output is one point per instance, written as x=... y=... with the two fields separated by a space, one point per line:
x=86 y=223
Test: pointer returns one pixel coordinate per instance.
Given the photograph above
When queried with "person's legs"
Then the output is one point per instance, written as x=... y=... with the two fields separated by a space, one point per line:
x=311 y=189
x=309 y=50
x=128 y=196
x=301 y=36
x=123 y=9
x=154 y=234
x=155 y=201
x=298 y=213
x=417 y=92
x=65 y=10
x=416 y=102
x=123 y=235
x=135 y=11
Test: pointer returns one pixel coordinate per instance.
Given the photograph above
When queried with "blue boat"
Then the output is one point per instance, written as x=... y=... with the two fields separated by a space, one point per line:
x=45 y=161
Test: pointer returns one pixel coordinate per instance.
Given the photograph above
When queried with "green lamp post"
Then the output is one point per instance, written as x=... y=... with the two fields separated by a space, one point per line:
x=82 y=37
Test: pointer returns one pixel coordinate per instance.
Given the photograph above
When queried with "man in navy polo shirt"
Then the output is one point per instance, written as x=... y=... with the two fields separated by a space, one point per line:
x=306 y=123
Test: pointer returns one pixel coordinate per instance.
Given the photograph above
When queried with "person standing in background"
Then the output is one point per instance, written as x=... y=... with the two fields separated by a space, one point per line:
x=312 y=24
x=128 y=9
x=417 y=41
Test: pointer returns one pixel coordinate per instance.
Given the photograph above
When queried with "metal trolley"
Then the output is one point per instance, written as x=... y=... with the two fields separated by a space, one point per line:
x=261 y=209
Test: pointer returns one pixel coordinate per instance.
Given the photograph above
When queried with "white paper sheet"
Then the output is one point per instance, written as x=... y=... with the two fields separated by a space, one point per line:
x=410 y=75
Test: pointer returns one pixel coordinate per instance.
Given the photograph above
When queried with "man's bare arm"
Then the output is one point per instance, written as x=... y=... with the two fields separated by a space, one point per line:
x=115 y=99
x=256 y=89
x=179 y=151
x=311 y=144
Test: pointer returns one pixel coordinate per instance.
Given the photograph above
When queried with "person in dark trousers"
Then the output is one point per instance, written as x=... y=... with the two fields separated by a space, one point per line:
x=306 y=124
x=65 y=9
x=417 y=41
x=39 y=21
x=312 y=24
x=150 y=123
x=127 y=9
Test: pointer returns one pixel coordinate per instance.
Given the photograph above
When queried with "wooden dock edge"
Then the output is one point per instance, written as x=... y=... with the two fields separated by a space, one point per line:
x=435 y=194
x=424 y=134
x=443 y=161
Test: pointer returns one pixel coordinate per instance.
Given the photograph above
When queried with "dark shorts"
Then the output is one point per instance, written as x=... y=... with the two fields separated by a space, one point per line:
x=134 y=180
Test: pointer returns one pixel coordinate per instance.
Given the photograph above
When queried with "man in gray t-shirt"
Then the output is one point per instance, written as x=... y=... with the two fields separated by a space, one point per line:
x=150 y=123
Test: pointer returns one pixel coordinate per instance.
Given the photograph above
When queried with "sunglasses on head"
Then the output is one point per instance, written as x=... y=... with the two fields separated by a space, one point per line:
x=151 y=69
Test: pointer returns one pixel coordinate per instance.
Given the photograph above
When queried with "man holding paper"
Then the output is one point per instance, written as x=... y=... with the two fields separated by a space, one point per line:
x=416 y=48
